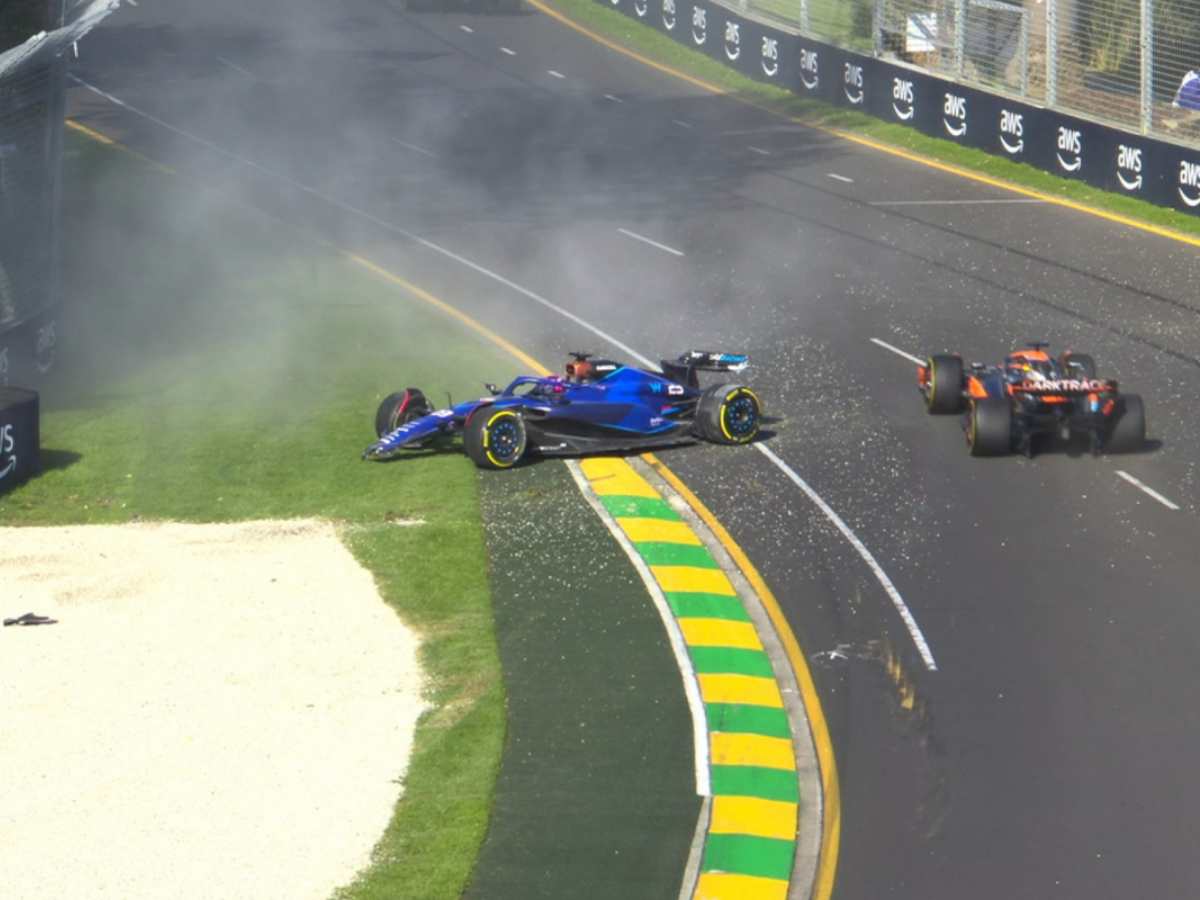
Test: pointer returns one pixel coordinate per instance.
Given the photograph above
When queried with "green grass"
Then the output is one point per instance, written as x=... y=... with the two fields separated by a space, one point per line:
x=658 y=46
x=217 y=368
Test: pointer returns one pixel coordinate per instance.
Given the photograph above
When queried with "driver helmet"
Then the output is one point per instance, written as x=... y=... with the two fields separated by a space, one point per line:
x=580 y=370
x=1028 y=367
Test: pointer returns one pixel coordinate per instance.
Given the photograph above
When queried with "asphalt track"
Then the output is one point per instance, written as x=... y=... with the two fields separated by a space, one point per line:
x=1052 y=753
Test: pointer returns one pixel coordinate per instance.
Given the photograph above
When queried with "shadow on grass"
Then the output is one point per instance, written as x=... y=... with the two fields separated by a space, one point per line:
x=52 y=460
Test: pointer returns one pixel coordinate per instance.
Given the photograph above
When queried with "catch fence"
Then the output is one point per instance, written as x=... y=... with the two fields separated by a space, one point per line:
x=1131 y=63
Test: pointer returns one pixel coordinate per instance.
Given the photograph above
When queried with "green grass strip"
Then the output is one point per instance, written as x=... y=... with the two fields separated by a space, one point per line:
x=755 y=781
x=745 y=854
x=620 y=505
x=739 y=718
x=688 y=605
x=662 y=553
x=731 y=661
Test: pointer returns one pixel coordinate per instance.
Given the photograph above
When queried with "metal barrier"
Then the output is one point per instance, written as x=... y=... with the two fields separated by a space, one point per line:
x=35 y=36
x=1131 y=63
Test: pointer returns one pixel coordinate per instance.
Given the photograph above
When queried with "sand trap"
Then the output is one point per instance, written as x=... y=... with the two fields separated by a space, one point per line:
x=221 y=711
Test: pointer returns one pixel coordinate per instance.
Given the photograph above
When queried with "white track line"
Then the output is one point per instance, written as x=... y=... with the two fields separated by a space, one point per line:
x=682 y=124
x=691 y=687
x=414 y=148
x=836 y=177
x=646 y=240
x=759 y=150
x=880 y=575
x=886 y=346
x=467 y=28
x=235 y=67
x=951 y=202
x=556 y=74
x=508 y=52
x=613 y=98
x=1145 y=489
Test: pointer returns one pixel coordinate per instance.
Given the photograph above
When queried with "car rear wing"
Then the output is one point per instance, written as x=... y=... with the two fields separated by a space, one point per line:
x=1066 y=387
x=684 y=368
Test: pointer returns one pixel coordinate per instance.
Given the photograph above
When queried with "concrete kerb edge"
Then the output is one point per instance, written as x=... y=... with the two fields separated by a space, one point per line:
x=809 y=830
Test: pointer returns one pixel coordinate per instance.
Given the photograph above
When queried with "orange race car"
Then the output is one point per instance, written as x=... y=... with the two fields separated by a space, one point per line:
x=1030 y=397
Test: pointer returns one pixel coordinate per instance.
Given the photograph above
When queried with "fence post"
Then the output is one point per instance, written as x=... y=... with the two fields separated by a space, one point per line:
x=1051 y=53
x=1147 y=79
x=960 y=38
x=804 y=16
x=877 y=27
x=1024 y=51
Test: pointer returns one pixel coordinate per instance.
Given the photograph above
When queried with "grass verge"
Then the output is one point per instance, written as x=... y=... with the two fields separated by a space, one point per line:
x=653 y=44
x=217 y=369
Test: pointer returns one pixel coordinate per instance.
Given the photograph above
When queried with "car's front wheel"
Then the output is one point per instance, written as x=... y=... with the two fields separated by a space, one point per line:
x=943 y=390
x=495 y=438
x=398 y=409
x=729 y=414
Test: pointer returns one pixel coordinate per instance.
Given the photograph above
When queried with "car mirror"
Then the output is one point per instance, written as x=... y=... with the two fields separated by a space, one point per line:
x=492 y=389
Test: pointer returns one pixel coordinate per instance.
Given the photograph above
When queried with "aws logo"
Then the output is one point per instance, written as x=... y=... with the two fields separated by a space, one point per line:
x=733 y=41
x=1129 y=167
x=810 y=69
x=1070 y=149
x=1189 y=178
x=852 y=83
x=699 y=25
x=641 y=7
x=954 y=115
x=1012 y=131
x=770 y=56
x=903 y=99
x=7 y=443
x=668 y=15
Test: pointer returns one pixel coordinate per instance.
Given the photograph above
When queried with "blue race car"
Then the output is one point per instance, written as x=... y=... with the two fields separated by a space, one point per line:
x=599 y=406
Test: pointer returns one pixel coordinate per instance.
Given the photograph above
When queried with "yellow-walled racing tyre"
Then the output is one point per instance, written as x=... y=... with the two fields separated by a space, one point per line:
x=495 y=438
x=729 y=414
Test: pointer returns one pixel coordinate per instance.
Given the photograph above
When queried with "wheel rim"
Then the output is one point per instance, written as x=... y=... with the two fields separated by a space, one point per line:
x=741 y=417
x=504 y=440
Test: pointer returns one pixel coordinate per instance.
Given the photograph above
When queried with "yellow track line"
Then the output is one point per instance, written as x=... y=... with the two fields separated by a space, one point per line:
x=116 y=145
x=889 y=149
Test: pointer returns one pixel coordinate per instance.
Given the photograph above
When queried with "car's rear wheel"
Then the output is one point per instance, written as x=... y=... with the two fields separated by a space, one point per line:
x=1075 y=365
x=1128 y=434
x=729 y=414
x=495 y=438
x=398 y=409
x=989 y=427
x=943 y=391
